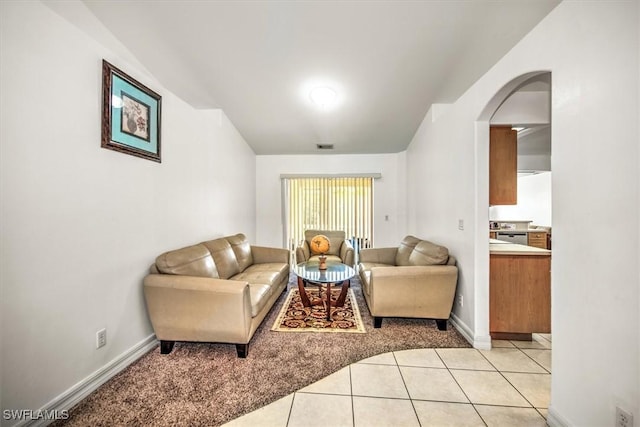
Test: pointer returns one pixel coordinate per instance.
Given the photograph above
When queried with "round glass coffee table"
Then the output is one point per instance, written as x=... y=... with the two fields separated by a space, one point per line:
x=309 y=273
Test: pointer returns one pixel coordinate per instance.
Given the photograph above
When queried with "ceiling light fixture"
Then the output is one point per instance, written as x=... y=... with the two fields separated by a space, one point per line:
x=323 y=96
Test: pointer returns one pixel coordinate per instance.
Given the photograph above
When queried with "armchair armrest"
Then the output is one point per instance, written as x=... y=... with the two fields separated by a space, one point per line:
x=188 y=308
x=303 y=252
x=262 y=255
x=415 y=271
x=378 y=255
x=347 y=255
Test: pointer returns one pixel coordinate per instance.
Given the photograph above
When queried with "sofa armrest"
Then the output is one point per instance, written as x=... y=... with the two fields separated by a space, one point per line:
x=378 y=255
x=263 y=255
x=303 y=252
x=189 y=308
x=431 y=288
x=415 y=271
x=347 y=254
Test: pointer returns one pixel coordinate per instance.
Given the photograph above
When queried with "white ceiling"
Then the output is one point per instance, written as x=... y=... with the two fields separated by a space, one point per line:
x=388 y=60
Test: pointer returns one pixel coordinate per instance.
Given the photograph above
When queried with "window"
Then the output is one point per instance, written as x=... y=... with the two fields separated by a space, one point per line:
x=329 y=203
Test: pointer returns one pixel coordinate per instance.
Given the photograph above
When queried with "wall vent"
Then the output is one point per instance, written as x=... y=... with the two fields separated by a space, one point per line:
x=324 y=146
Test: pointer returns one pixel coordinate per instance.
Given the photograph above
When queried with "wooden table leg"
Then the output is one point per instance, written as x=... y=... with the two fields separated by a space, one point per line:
x=303 y=293
x=343 y=294
x=328 y=304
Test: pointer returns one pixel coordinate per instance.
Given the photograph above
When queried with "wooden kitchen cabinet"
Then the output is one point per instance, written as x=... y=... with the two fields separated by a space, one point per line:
x=537 y=239
x=519 y=296
x=503 y=166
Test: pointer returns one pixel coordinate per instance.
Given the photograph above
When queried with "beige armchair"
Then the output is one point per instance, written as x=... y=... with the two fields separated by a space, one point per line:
x=340 y=250
x=417 y=279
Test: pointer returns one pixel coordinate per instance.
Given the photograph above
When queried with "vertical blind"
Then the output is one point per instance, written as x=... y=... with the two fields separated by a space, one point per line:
x=331 y=203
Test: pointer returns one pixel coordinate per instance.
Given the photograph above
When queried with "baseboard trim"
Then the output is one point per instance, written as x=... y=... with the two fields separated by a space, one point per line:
x=554 y=419
x=79 y=391
x=481 y=343
x=462 y=327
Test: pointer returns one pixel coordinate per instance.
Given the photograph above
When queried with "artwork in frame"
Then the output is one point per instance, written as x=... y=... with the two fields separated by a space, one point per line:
x=130 y=115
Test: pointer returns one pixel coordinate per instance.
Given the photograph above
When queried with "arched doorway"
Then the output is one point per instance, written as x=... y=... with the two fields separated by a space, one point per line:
x=481 y=242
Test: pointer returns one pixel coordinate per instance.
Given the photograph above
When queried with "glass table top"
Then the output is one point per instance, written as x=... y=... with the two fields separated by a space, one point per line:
x=335 y=272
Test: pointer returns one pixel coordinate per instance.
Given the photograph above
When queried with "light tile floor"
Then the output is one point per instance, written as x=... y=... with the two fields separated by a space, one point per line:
x=506 y=386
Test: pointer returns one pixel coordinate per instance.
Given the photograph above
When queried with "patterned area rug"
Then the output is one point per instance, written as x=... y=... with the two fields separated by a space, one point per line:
x=295 y=317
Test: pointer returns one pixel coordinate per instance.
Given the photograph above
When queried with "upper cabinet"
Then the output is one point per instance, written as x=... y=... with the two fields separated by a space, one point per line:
x=503 y=164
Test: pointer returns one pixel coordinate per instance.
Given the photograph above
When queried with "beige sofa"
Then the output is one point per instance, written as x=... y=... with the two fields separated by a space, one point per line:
x=216 y=291
x=417 y=279
x=340 y=248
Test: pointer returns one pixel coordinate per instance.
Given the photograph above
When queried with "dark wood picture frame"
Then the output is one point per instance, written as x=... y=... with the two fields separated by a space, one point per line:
x=130 y=115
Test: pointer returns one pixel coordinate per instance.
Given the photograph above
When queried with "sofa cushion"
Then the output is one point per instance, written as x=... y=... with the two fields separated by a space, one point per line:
x=242 y=249
x=404 y=250
x=427 y=253
x=193 y=260
x=269 y=273
x=223 y=256
x=259 y=295
x=367 y=266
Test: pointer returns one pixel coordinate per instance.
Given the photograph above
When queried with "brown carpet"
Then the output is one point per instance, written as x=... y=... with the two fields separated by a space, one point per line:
x=207 y=385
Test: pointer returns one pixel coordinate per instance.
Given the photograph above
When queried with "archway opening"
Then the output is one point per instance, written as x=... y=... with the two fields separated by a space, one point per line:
x=510 y=106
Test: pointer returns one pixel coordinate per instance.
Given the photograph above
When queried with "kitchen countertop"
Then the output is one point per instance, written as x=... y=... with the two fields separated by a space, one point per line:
x=529 y=230
x=498 y=247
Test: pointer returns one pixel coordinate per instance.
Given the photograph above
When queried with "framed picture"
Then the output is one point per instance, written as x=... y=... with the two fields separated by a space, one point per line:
x=130 y=115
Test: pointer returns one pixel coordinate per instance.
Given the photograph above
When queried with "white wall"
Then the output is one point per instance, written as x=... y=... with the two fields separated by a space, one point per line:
x=523 y=108
x=81 y=224
x=440 y=189
x=389 y=191
x=534 y=150
x=534 y=201
x=591 y=48
x=638 y=180
x=534 y=162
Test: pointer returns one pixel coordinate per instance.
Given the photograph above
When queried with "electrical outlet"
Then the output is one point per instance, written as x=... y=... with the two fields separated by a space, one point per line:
x=460 y=300
x=623 y=418
x=461 y=224
x=101 y=338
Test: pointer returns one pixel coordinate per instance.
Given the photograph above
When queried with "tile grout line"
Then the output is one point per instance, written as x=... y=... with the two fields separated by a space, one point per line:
x=460 y=387
x=415 y=412
x=291 y=408
x=546 y=371
x=534 y=360
x=398 y=366
x=507 y=380
x=544 y=338
x=538 y=409
x=353 y=409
